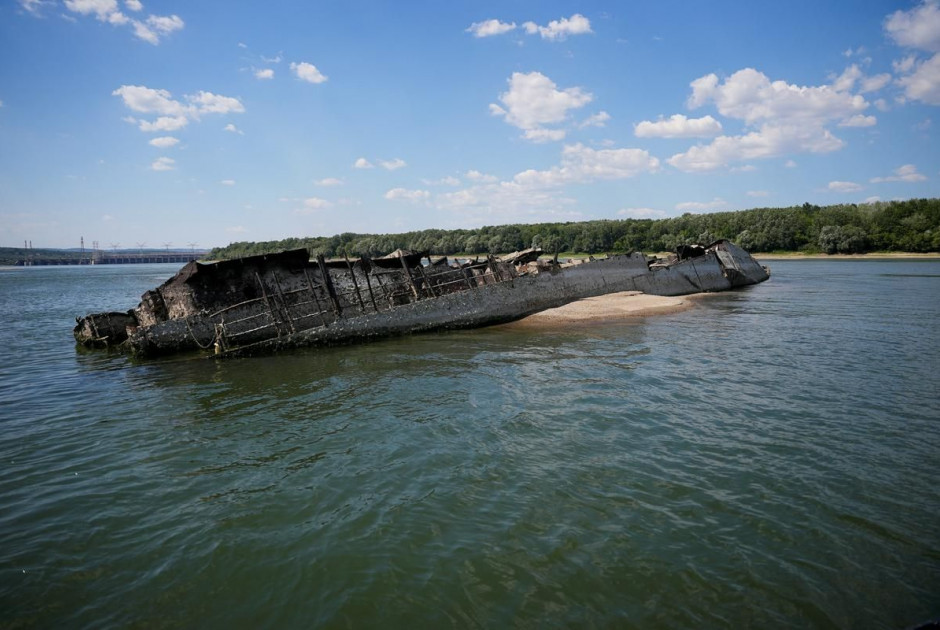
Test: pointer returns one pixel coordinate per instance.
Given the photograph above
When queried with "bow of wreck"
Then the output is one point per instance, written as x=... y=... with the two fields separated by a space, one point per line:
x=264 y=303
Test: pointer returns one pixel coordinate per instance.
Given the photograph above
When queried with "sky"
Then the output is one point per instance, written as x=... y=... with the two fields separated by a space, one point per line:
x=164 y=123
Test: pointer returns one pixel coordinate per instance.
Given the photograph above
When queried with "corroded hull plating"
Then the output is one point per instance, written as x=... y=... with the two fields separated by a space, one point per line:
x=266 y=303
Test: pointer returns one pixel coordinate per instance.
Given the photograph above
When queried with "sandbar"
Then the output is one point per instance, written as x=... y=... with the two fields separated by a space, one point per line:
x=606 y=308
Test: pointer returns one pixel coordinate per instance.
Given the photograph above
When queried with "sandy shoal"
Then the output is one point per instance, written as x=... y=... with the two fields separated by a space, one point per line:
x=605 y=308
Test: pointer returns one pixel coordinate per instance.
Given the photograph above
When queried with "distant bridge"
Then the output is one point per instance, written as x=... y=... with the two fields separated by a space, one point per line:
x=113 y=258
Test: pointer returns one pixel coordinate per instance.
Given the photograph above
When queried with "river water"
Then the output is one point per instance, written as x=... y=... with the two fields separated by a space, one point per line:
x=767 y=458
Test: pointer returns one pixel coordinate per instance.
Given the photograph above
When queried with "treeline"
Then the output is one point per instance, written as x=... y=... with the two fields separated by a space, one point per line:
x=898 y=226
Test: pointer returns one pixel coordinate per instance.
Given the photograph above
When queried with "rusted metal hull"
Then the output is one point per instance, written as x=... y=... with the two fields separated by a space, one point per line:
x=266 y=303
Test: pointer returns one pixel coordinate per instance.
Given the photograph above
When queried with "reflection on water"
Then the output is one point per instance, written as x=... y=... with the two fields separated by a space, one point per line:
x=766 y=458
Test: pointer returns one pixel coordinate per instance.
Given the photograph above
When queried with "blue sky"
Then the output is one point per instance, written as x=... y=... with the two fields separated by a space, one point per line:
x=147 y=121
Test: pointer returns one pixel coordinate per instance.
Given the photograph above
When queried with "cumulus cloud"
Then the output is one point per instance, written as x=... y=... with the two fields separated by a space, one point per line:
x=853 y=77
x=788 y=118
x=393 y=165
x=233 y=129
x=164 y=142
x=164 y=124
x=559 y=30
x=403 y=194
x=859 y=120
x=581 y=164
x=678 y=126
x=751 y=96
x=163 y=164
x=923 y=82
x=329 y=181
x=771 y=140
x=307 y=72
x=540 y=135
x=315 y=203
x=702 y=206
x=843 y=187
x=595 y=120
x=151 y=29
x=265 y=73
x=917 y=28
x=906 y=173
x=477 y=176
x=533 y=101
x=362 y=163
x=173 y=114
x=36 y=7
x=227 y=182
x=488 y=28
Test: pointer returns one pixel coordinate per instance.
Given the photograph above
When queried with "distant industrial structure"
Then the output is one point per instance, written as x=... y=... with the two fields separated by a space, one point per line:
x=98 y=256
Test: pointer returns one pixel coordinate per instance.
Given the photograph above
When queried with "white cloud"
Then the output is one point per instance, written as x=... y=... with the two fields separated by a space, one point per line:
x=164 y=123
x=488 y=28
x=477 y=176
x=164 y=142
x=227 y=182
x=595 y=120
x=923 y=84
x=678 y=126
x=363 y=163
x=307 y=72
x=872 y=199
x=393 y=165
x=843 y=187
x=36 y=7
x=770 y=140
x=905 y=65
x=757 y=193
x=751 y=96
x=790 y=164
x=173 y=114
x=792 y=118
x=700 y=206
x=859 y=120
x=402 y=194
x=449 y=180
x=541 y=135
x=102 y=9
x=875 y=83
x=315 y=203
x=642 y=213
x=133 y=5
x=155 y=27
x=533 y=101
x=266 y=73
x=163 y=164
x=209 y=103
x=237 y=229
x=906 y=173
x=146 y=100
x=747 y=168
x=558 y=30
x=233 y=129
x=276 y=59
x=581 y=164
x=918 y=28
x=329 y=181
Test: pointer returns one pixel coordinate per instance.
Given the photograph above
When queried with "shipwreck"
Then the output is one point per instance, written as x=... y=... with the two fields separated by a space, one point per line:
x=260 y=304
